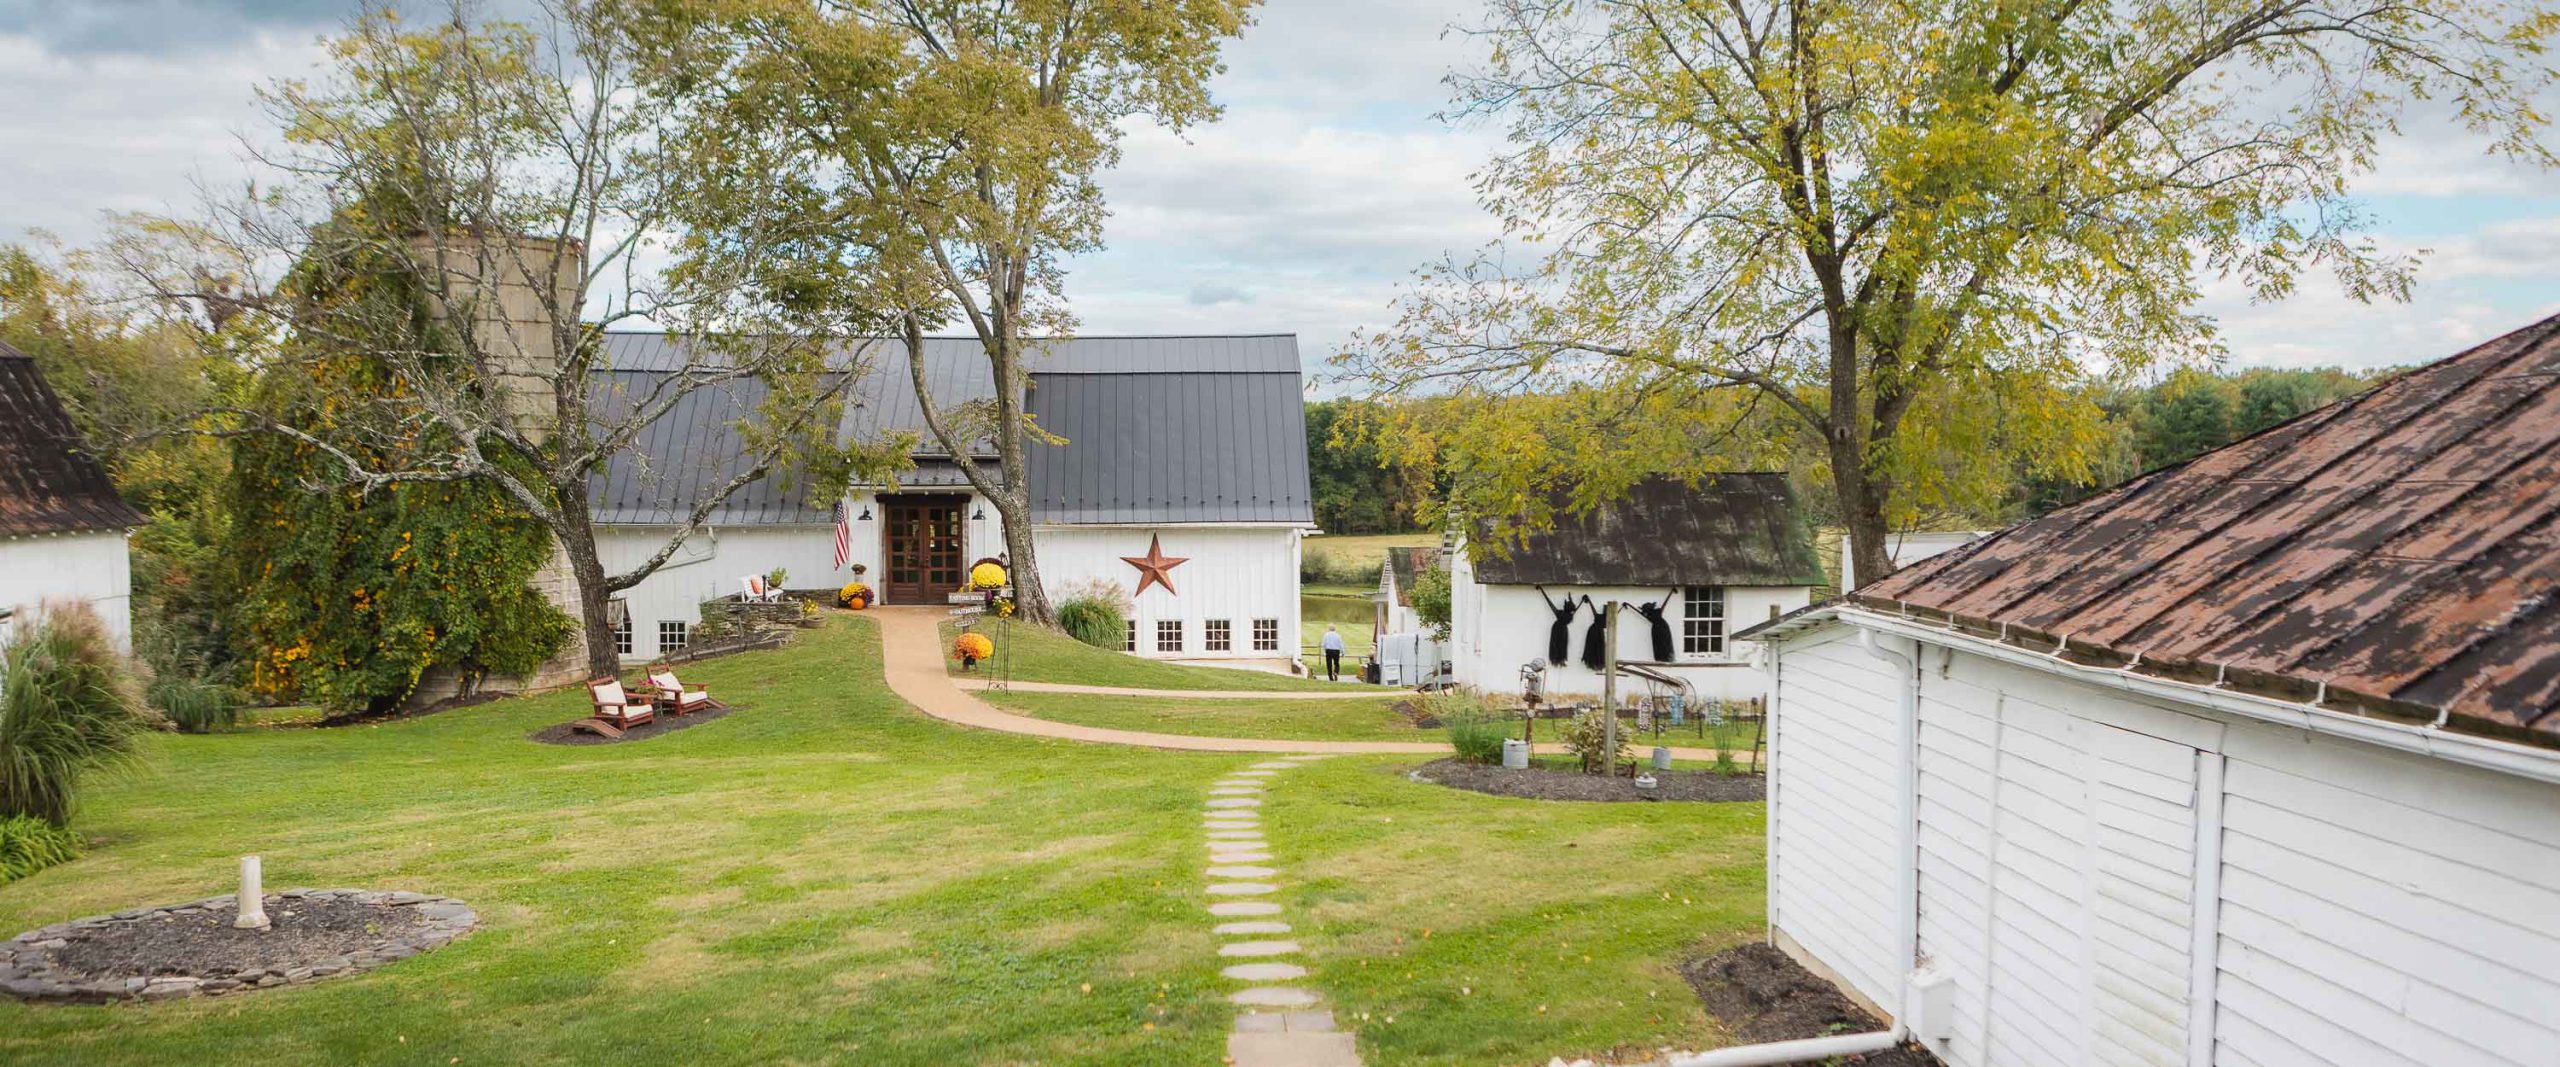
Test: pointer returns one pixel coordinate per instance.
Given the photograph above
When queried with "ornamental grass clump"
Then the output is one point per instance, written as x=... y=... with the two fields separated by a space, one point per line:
x=1094 y=621
x=1587 y=735
x=198 y=707
x=69 y=705
x=28 y=845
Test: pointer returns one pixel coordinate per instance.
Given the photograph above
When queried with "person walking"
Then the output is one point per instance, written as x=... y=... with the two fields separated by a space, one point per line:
x=1332 y=653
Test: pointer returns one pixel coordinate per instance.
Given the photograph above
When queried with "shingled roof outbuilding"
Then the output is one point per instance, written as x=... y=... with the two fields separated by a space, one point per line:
x=50 y=480
x=1729 y=529
x=2397 y=552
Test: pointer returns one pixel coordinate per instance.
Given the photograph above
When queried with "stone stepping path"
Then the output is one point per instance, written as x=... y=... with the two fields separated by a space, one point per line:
x=1274 y=1027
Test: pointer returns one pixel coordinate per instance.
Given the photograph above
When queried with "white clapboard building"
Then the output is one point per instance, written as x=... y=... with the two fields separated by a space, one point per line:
x=1186 y=451
x=2251 y=761
x=1710 y=558
x=62 y=526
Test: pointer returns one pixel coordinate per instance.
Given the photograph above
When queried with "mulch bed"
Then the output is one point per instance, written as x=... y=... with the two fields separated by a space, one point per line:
x=1540 y=783
x=568 y=733
x=192 y=949
x=1761 y=995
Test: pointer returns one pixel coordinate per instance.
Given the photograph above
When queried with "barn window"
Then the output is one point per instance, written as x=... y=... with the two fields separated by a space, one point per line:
x=622 y=636
x=1129 y=635
x=1168 y=635
x=1702 y=621
x=674 y=634
x=1219 y=635
x=1266 y=635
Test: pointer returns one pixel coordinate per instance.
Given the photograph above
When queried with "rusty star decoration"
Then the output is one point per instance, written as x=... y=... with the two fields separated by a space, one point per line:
x=1155 y=567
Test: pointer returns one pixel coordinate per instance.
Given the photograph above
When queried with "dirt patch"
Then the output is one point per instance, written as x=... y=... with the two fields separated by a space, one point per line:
x=567 y=733
x=1417 y=713
x=1761 y=995
x=1540 y=783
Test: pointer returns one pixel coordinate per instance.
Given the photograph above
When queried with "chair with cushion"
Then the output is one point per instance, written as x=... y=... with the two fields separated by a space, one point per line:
x=615 y=706
x=667 y=692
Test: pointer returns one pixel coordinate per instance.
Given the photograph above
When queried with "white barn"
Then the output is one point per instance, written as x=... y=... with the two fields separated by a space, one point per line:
x=2252 y=761
x=1712 y=558
x=1906 y=547
x=62 y=526
x=1191 y=447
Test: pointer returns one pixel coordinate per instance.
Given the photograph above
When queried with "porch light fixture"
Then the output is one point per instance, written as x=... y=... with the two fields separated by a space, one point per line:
x=981 y=516
x=866 y=514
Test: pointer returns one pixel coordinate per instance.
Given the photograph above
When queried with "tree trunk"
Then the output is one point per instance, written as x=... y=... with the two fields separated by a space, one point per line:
x=595 y=598
x=1030 y=601
x=1862 y=511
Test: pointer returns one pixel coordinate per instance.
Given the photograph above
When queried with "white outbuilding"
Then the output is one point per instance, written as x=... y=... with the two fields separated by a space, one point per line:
x=2251 y=761
x=1691 y=565
x=62 y=526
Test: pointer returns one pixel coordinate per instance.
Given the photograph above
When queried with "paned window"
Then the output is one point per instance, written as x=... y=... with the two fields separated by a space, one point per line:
x=1168 y=635
x=1266 y=635
x=1219 y=635
x=1702 y=621
x=674 y=634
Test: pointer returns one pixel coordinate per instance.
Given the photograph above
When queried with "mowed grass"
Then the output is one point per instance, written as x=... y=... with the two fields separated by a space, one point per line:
x=826 y=877
x=1352 y=719
x=1044 y=655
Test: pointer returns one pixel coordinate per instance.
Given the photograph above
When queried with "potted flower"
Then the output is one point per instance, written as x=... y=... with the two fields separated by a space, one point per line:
x=855 y=595
x=773 y=579
x=972 y=647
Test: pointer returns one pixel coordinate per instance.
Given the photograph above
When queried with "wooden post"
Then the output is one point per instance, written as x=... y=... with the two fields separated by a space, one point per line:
x=1609 y=687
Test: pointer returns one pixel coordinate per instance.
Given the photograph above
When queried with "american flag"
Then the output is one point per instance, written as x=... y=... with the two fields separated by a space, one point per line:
x=844 y=536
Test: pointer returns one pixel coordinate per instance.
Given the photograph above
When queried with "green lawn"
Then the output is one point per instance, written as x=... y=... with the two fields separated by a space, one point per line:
x=1351 y=719
x=826 y=877
x=1368 y=550
x=1049 y=656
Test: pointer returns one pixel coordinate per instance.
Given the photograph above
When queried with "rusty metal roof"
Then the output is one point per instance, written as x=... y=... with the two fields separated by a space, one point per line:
x=2394 y=553
x=1729 y=529
x=50 y=481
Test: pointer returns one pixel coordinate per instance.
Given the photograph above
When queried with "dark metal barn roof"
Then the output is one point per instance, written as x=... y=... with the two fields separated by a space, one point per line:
x=2398 y=551
x=50 y=481
x=1157 y=429
x=1730 y=529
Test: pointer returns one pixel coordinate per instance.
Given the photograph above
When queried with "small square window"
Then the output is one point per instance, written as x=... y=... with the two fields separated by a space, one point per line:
x=674 y=634
x=1266 y=635
x=1702 y=621
x=1129 y=636
x=1168 y=635
x=1218 y=635
x=622 y=636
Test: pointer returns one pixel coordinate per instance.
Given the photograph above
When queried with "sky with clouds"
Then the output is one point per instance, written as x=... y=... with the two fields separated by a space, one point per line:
x=1327 y=181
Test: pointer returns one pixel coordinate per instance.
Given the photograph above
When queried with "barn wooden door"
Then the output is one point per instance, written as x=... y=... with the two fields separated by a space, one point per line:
x=926 y=547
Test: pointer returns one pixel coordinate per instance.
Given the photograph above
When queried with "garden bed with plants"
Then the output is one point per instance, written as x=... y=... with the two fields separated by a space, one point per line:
x=1550 y=781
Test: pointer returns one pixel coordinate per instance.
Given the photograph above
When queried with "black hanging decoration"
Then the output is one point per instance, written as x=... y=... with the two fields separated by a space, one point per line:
x=1594 y=655
x=1559 y=635
x=1661 y=626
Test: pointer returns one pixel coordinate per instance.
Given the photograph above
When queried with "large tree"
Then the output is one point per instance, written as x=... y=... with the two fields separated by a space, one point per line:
x=518 y=178
x=940 y=157
x=1908 y=228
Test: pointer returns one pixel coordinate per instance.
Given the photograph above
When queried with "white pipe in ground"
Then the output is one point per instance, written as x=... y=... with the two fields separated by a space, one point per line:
x=253 y=902
x=1808 y=1050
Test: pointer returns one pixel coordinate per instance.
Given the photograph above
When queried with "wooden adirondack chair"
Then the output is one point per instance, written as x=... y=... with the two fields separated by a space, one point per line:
x=615 y=706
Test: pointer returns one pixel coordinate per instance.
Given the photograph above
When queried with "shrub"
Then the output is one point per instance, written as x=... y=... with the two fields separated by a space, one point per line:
x=69 y=704
x=198 y=707
x=1587 y=735
x=30 y=845
x=1431 y=601
x=1093 y=621
x=1476 y=732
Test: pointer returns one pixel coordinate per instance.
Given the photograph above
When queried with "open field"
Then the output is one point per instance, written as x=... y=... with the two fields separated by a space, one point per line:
x=826 y=877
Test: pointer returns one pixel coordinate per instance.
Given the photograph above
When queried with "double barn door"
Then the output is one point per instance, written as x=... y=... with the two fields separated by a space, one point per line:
x=927 y=549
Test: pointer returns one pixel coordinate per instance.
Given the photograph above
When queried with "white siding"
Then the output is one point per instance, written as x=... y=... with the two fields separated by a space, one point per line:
x=710 y=564
x=1832 y=838
x=2361 y=906
x=92 y=568
x=1495 y=629
x=1239 y=574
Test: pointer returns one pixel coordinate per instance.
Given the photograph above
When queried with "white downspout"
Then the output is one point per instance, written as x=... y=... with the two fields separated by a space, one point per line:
x=1907 y=893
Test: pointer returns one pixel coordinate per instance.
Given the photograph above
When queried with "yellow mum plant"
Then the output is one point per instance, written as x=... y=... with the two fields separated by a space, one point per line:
x=986 y=576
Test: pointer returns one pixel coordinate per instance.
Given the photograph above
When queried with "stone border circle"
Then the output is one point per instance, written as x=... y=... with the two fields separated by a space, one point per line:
x=28 y=974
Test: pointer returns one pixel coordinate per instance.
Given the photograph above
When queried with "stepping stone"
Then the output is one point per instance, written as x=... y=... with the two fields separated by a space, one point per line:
x=1250 y=928
x=1242 y=872
x=1235 y=802
x=1239 y=783
x=1257 y=948
x=1240 y=857
x=1238 y=844
x=1241 y=889
x=1229 y=908
x=1234 y=791
x=1271 y=997
x=1224 y=823
x=1234 y=834
x=1265 y=972
x=1307 y=1022
x=1255 y=774
x=1274 y=765
x=1292 y=1049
